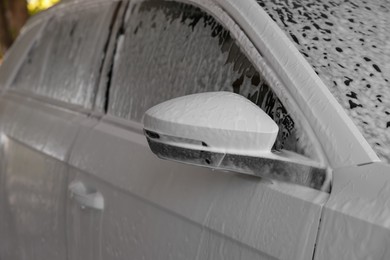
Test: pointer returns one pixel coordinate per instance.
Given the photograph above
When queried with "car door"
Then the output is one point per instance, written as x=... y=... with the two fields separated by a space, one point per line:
x=8 y=69
x=43 y=107
x=138 y=206
x=33 y=194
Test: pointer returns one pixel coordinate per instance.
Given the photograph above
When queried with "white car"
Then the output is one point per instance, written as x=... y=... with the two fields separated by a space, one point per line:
x=93 y=90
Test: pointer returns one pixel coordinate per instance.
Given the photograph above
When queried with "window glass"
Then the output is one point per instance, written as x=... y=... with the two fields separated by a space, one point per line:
x=19 y=49
x=64 y=62
x=347 y=44
x=171 y=49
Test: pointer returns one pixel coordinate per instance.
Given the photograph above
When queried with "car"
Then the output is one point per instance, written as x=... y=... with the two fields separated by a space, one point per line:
x=197 y=129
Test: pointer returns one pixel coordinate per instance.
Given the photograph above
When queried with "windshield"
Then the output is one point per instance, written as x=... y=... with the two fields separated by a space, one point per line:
x=348 y=45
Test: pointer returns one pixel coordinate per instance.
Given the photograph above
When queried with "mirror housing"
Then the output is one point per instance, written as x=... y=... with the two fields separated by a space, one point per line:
x=221 y=122
x=223 y=130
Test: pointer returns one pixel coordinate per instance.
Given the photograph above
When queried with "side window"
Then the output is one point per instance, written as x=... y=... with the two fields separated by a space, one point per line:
x=65 y=60
x=170 y=49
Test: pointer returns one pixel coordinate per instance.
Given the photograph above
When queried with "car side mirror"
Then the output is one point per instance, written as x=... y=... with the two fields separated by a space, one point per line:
x=223 y=130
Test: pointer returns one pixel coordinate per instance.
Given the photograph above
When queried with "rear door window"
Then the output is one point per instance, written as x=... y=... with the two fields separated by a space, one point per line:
x=65 y=61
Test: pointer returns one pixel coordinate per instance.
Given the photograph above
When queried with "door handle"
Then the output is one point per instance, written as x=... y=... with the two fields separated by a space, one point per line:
x=86 y=197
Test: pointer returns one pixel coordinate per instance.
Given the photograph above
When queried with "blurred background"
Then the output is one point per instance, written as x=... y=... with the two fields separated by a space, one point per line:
x=13 y=15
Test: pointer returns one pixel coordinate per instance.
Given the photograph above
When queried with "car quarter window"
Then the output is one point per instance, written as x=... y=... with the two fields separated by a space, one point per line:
x=170 y=49
x=65 y=60
x=18 y=51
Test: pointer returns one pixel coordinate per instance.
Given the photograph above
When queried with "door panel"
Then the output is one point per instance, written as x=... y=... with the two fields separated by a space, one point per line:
x=35 y=145
x=138 y=229
x=39 y=125
x=157 y=204
x=34 y=198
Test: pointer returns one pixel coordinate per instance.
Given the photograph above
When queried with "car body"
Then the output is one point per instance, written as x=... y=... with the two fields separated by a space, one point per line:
x=78 y=180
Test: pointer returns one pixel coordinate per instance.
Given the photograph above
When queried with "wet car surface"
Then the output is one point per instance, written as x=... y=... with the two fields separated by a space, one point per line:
x=79 y=176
